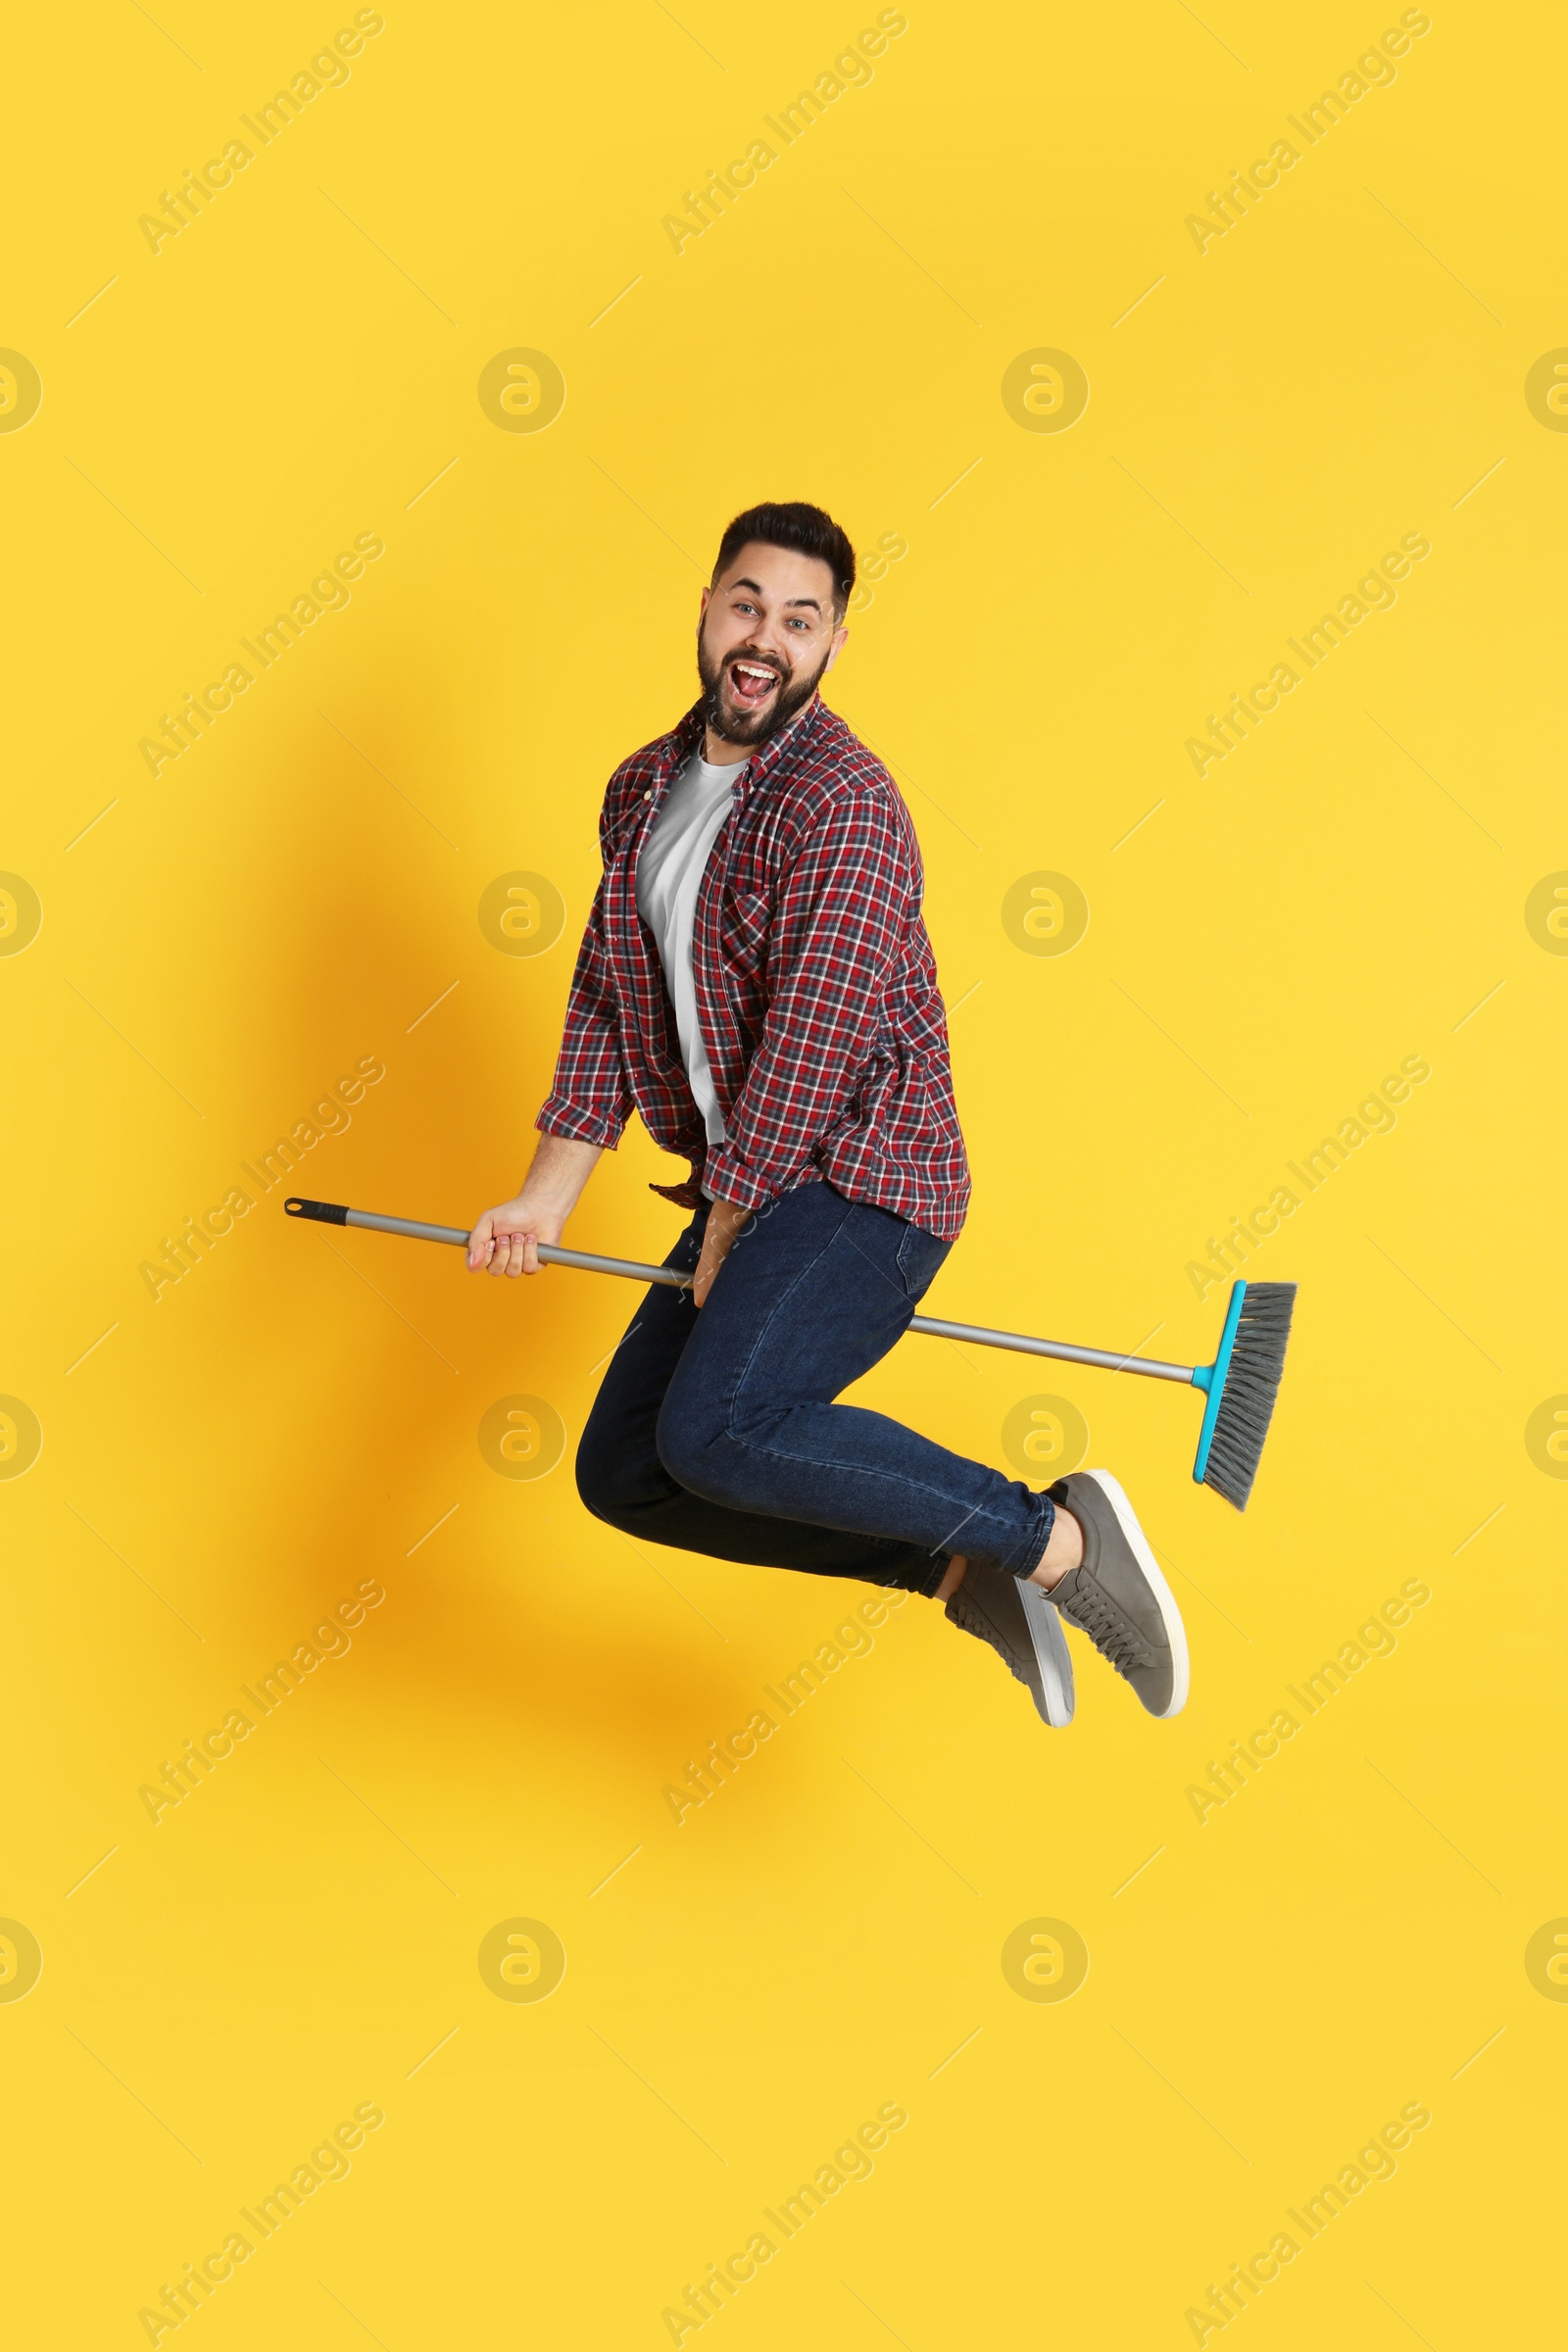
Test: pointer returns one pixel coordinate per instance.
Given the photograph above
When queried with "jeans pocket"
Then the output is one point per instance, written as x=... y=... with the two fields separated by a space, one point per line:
x=689 y=1249
x=920 y=1256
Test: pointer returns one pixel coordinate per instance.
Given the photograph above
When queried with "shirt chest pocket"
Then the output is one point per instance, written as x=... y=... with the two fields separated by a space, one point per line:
x=745 y=922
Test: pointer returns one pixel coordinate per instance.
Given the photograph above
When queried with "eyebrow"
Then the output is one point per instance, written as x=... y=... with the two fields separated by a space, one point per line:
x=755 y=590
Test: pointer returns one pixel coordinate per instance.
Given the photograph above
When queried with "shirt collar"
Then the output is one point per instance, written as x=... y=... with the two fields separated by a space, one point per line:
x=687 y=737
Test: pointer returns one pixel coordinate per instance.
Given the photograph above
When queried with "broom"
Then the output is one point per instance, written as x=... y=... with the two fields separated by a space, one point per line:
x=1240 y=1386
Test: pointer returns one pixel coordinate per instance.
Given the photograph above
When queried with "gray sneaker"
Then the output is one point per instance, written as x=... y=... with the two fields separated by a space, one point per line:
x=1118 y=1597
x=1023 y=1629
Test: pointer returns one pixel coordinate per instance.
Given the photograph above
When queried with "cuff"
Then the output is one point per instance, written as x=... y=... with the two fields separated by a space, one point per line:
x=728 y=1178
x=559 y=1115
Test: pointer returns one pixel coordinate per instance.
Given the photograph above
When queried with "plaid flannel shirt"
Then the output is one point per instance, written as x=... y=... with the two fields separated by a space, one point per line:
x=816 y=988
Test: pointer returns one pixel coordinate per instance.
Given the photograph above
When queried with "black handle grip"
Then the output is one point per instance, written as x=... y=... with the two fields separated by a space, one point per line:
x=325 y=1212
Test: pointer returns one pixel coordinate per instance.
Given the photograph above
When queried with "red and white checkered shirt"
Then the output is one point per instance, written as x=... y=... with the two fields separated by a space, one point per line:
x=816 y=988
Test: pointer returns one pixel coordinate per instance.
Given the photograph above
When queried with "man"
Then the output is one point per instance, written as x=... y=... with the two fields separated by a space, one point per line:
x=755 y=980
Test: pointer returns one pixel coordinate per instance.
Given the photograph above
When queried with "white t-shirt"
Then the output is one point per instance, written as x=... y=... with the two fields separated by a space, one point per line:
x=669 y=874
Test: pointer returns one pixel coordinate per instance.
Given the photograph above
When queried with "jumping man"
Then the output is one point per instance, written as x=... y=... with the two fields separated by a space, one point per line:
x=755 y=980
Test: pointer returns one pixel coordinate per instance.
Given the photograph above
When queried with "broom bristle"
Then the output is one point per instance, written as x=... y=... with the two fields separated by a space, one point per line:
x=1251 y=1384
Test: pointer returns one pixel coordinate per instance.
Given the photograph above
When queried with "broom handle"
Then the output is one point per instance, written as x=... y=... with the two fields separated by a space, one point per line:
x=328 y=1212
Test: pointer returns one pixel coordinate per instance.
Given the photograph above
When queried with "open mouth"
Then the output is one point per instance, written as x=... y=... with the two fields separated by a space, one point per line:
x=752 y=684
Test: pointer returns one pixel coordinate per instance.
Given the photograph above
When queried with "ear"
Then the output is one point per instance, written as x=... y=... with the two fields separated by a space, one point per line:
x=841 y=638
x=702 y=607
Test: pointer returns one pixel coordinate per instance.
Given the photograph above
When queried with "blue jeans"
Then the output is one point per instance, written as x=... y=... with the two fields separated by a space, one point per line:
x=716 y=1429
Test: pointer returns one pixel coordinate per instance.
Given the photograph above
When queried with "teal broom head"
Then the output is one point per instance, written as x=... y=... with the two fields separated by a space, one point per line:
x=1243 y=1383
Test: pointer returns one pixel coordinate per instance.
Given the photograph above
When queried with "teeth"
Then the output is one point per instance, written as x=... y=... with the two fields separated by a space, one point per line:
x=744 y=671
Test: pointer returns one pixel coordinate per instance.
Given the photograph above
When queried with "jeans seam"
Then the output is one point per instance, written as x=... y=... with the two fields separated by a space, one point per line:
x=897 y=1288
x=915 y=1296
x=1048 y=1515
x=896 y=1478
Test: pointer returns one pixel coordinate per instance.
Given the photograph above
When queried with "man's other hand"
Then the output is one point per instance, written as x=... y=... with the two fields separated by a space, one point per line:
x=724 y=1221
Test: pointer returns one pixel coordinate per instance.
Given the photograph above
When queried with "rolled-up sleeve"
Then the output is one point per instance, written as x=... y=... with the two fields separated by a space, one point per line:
x=591 y=1099
x=839 y=925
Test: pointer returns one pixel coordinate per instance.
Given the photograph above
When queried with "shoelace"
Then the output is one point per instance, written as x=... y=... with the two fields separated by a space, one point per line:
x=1108 y=1630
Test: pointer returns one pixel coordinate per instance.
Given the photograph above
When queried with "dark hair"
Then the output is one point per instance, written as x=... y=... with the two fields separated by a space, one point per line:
x=804 y=531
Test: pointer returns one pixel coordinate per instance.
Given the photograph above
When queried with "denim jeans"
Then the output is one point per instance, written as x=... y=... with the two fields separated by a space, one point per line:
x=716 y=1429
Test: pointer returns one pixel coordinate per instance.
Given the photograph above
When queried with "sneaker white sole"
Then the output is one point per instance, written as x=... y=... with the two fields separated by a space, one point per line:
x=1051 y=1654
x=1170 y=1614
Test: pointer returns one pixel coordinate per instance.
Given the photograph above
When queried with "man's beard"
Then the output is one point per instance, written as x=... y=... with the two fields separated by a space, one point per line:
x=753 y=728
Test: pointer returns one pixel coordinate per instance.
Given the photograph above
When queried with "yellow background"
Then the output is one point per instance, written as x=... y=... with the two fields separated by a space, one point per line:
x=299 y=366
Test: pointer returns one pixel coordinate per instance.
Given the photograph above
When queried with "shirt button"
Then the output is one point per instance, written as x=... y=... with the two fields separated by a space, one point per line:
x=648 y=795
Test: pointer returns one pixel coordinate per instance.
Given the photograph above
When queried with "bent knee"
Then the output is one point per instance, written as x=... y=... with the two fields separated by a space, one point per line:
x=610 y=1485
